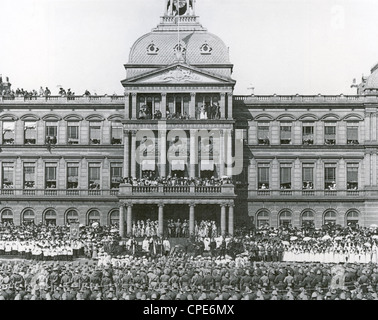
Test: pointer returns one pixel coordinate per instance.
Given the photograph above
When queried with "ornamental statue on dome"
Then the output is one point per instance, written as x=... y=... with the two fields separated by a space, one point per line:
x=180 y=7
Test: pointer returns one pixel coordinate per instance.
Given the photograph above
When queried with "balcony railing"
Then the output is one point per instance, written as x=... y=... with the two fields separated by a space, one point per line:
x=60 y=99
x=302 y=98
x=306 y=193
x=58 y=192
x=226 y=189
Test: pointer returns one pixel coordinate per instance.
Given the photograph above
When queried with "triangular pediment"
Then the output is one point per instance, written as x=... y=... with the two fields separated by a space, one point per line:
x=178 y=74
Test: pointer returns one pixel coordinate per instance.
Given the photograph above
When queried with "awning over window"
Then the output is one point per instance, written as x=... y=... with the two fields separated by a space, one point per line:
x=178 y=165
x=207 y=165
x=148 y=165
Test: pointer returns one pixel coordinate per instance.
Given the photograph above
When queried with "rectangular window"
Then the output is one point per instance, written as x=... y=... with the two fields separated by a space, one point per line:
x=8 y=170
x=115 y=175
x=117 y=133
x=94 y=176
x=29 y=175
x=8 y=132
x=307 y=176
x=330 y=177
x=285 y=133
x=95 y=132
x=308 y=134
x=285 y=177
x=72 y=175
x=263 y=133
x=51 y=132
x=330 y=133
x=352 y=176
x=73 y=132
x=263 y=177
x=30 y=132
x=352 y=133
x=50 y=175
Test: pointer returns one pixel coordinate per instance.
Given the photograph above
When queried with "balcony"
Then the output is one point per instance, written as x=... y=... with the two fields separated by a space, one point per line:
x=46 y=193
x=182 y=191
x=63 y=99
x=305 y=193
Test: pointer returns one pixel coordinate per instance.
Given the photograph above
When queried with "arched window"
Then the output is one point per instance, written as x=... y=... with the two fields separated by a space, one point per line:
x=263 y=219
x=114 y=217
x=94 y=216
x=28 y=216
x=308 y=218
x=330 y=217
x=50 y=217
x=7 y=216
x=352 y=218
x=285 y=218
x=72 y=216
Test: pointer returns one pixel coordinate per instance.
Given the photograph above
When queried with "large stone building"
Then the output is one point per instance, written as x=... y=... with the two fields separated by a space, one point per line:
x=304 y=159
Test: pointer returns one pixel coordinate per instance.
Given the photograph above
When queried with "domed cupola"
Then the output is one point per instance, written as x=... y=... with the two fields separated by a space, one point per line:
x=179 y=37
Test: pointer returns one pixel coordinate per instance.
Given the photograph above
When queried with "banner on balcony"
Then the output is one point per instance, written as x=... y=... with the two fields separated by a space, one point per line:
x=207 y=165
x=148 y=165
x=178 y=165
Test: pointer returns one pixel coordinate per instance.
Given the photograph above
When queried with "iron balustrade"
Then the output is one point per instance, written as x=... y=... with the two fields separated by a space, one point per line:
x=306 y=193
x=58 y=192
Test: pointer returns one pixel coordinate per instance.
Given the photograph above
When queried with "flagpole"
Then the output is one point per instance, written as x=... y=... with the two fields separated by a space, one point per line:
x=178 y=24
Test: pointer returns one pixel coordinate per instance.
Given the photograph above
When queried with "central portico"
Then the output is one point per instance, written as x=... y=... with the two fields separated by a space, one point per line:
x=178 y=117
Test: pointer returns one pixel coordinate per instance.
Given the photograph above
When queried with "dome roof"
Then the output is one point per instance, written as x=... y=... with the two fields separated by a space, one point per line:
x=158 y=48
x=372 y=80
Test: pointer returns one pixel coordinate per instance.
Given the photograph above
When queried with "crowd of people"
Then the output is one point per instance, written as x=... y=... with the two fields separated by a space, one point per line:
x=42 y=92
x=57 y=243
x=267 y=263
x=183 y=277
x=175 y=228
x=171 y=181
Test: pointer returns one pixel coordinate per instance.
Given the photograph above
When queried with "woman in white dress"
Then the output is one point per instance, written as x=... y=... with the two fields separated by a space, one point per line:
x=295 y=257
x=367 y=255
x=203 y=114
x=374 y=249
x=336 y=256
x=323 y=255
x=352 y=254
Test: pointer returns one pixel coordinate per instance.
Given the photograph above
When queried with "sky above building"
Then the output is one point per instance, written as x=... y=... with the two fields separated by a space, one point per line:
x=277 y=46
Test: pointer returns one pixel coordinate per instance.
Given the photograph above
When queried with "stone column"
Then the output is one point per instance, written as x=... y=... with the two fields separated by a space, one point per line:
x=374 y=168
x=126 y=152
x=373 y=126
x=221 y=153
x=229 y=153
x=127 y=105
x=367 y=169
x=133 y=150
x=163 y=152
x=122 y=221
x=129 y=219
x=192 y=106
x=133 y=105
x=222 y=105
x=231 y=219
x=223 y=219
x=367 y=126
x=193 y=153
x=163 y=105
x=191 y=218
x=229 y=107
x=161 y=219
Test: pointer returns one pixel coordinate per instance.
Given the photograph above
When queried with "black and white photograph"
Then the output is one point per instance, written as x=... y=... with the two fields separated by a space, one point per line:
x=196 y=152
